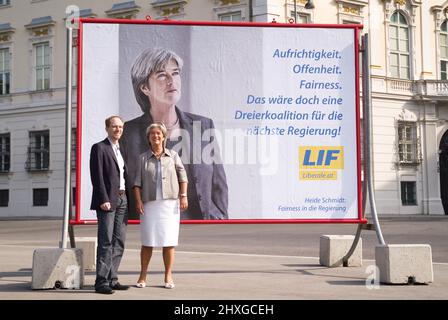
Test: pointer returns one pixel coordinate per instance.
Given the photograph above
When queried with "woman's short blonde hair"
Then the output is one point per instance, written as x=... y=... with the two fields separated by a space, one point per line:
x=161 y=127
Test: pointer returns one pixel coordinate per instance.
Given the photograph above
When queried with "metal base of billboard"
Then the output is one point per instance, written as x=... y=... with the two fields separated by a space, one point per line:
x=368 y=168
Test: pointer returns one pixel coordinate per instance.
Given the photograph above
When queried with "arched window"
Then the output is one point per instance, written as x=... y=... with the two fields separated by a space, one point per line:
x=399 y=46
x=444 y=50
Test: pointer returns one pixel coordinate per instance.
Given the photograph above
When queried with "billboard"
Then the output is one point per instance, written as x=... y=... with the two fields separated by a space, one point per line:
x=264 y=116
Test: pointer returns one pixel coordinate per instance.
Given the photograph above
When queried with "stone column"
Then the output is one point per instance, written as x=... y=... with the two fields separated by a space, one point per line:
x=264 y=11
x=432 y=203
x=427 y=45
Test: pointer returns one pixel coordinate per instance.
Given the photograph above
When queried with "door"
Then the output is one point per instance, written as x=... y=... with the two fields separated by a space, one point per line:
x=443 y=165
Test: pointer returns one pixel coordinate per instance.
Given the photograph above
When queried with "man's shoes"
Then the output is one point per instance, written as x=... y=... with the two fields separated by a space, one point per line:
x=119 y=286
x=104 y=290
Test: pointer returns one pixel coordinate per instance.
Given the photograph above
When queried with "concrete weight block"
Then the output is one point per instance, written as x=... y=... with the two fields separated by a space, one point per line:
x=57 y=268
x=334 y=247
x=404 y=263
x=88 y=246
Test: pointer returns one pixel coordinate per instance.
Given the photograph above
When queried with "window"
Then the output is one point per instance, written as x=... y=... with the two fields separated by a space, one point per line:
x=408 y=193
x=408 y=143
x=5 y=2
x=4 y=198
x=443 y=70
x=73 y=202
x=399 y=46
x=39 y=151
x=4 y=71
x=227 y=17
x=43 y=66
x=40 y=197
x=301 y=17
x=5 y=151
x=444 y=51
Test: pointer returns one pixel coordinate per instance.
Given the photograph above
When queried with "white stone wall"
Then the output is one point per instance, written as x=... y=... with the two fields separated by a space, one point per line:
x=21 y=182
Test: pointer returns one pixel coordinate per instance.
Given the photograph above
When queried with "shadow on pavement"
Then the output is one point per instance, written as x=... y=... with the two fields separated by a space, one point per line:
x=347 y=282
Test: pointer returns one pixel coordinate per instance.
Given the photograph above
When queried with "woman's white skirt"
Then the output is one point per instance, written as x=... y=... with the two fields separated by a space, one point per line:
x=159 y=226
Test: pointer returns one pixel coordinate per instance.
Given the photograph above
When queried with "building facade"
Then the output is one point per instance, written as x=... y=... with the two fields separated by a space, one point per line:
x=409 y=67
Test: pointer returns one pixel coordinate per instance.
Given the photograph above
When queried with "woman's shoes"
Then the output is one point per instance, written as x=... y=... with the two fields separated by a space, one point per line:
x=168 y=285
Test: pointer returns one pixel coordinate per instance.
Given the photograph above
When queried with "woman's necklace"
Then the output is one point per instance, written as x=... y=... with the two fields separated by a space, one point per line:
x=158 y=154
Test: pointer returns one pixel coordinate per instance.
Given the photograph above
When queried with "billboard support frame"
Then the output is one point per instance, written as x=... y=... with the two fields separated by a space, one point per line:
x=71 y=22
x=367 y=85
x=68 y=126
x=368 y=172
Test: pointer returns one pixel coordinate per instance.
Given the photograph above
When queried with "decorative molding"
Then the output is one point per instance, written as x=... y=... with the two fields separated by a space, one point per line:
x=229 y=2
x=5 y=37
x=43 y=26
x=440 y=14
x=173 y=9
x=350 y=11
x=86 y=13
x=407 y=116
x=123 y=10
x=361 y=3
x=6 y=32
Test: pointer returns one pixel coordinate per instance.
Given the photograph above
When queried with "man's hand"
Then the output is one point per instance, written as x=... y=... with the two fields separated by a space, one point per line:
x=105 y=206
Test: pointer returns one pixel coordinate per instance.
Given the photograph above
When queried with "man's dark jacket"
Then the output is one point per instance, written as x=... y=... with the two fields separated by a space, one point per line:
x=105 y=175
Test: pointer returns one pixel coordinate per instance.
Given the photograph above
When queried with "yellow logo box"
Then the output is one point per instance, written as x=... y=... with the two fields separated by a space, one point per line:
x=321 y=157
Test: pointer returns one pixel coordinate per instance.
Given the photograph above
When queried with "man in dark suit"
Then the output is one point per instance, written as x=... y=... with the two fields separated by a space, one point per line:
x=157 y=87
x=109 y=199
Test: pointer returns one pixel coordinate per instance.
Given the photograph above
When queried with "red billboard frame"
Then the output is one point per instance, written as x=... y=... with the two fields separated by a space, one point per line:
x=355 y=27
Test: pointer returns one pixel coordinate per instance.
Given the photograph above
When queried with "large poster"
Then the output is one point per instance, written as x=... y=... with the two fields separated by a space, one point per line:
x=264 y=116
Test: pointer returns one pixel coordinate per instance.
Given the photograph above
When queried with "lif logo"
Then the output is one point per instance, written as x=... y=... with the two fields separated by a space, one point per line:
x=322 y=160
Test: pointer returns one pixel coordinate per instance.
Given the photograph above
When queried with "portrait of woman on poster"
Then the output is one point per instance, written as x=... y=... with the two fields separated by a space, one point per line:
x=157 y=85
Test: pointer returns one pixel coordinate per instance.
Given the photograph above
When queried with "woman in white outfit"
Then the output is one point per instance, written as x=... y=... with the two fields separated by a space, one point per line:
x=160 y=187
